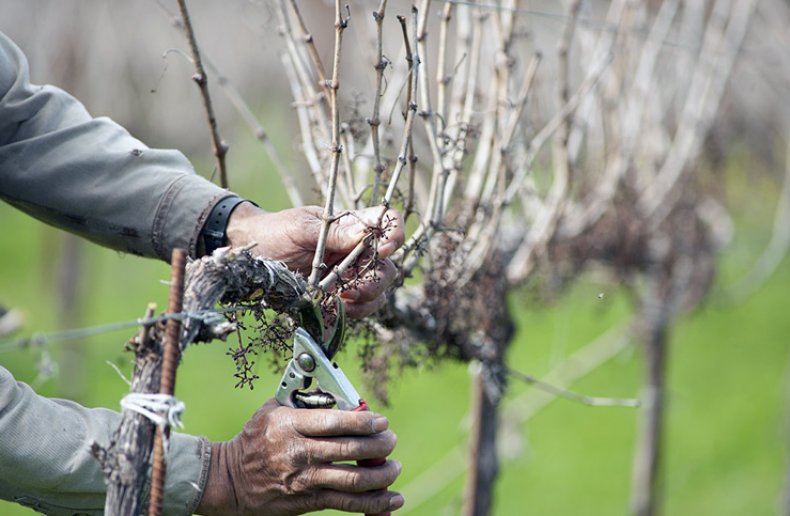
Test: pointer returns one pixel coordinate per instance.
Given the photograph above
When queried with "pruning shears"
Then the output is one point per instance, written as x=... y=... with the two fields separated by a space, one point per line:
x=312 y=366
x=313 y=351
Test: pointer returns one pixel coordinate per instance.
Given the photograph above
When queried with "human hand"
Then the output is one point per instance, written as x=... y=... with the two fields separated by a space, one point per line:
x=291 y=235
x=284 y=462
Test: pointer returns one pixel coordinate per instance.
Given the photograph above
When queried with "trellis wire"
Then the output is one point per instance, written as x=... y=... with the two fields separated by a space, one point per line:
x=39 y=339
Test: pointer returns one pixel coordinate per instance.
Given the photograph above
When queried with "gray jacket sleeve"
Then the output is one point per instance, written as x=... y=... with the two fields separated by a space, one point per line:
x=45 y=461
x=89 y=176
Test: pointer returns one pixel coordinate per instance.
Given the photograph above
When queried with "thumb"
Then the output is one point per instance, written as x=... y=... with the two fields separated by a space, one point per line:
x=349 y=230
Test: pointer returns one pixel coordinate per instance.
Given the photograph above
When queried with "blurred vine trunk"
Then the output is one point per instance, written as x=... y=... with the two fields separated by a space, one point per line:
x=647 y=459
x=69 y=275
x=786 y=501
x=497 y=330
x=483 y=460
x=69 y=278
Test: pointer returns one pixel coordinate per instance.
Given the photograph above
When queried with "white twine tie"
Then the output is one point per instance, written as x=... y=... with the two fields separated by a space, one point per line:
x=161 y=409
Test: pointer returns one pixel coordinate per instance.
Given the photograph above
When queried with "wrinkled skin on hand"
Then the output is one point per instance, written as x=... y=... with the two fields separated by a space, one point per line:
x=285 y=462
x=291 y=235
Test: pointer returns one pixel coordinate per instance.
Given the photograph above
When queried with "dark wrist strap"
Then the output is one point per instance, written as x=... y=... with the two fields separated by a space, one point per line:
x=213 y=233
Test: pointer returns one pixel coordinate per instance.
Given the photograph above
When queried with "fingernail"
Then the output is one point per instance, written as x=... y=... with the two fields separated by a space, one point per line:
x=380 y=424
x=396 y=502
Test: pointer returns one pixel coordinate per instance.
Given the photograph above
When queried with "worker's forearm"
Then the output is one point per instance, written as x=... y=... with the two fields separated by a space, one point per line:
x=45 y=462
x=88 y=175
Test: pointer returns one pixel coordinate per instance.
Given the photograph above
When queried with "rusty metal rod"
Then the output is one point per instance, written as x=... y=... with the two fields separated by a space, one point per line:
x=171 y=354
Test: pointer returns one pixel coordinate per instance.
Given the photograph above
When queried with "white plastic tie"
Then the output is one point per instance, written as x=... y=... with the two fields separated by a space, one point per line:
x=161 y=409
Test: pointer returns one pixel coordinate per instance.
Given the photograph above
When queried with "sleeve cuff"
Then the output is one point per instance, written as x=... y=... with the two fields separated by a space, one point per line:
x=182 y=213
x=188 y=462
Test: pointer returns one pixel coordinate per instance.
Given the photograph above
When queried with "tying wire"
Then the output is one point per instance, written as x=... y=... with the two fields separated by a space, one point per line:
x=40 y=339
x=592 y=401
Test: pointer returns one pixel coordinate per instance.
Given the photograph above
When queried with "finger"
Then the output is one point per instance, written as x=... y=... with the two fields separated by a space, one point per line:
x=332 y=423
x=393 y=233
x=374 y=502
x=352 y=479
x=342 y=449
x=347 y=231
x=371 y=284
x=355 y=310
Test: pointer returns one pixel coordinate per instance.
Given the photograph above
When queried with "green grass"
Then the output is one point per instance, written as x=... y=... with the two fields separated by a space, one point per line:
x=726 y=443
